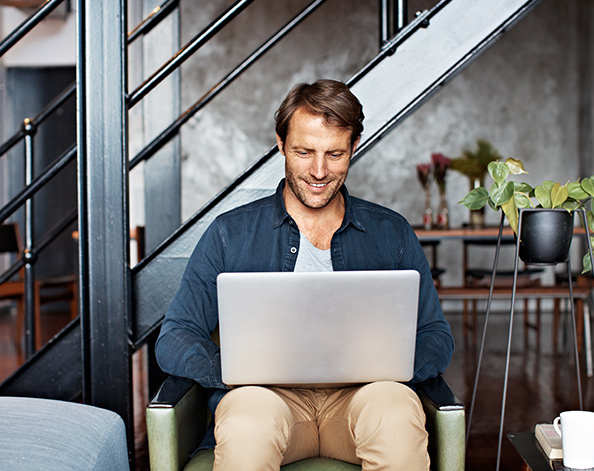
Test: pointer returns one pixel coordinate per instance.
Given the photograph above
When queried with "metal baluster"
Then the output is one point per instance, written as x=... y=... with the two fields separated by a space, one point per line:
x=29 y=128
x=401 y=14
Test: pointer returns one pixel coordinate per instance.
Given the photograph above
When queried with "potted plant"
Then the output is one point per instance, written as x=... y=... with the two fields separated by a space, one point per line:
x=473 y=164
x=555 y=201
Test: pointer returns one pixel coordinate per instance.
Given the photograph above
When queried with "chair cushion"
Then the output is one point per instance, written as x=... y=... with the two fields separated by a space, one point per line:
x=56 y=436
x=204 y=459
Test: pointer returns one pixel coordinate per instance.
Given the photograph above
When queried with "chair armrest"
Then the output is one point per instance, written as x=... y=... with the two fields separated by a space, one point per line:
x=445 y=424
x=175 y=422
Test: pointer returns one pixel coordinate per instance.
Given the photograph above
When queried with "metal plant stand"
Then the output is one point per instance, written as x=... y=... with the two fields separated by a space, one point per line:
x=511 y=319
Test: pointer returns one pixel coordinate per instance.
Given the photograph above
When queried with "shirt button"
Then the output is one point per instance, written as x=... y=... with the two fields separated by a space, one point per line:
x=293 y=249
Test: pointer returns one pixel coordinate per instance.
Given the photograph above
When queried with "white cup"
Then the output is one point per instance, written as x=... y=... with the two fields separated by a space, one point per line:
x=577 y=436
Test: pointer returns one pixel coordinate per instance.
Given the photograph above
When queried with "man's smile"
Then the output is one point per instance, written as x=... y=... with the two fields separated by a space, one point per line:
x=318 y=185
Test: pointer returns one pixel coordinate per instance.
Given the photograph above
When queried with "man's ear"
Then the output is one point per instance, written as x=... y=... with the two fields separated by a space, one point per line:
x=280 y=144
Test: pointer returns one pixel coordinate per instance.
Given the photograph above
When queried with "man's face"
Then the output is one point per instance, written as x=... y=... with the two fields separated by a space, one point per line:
x=317 y=158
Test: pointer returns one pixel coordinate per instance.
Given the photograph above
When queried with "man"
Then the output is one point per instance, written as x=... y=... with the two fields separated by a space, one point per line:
x=310 y=224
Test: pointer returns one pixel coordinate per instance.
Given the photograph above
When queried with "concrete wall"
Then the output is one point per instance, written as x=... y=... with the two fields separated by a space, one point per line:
x=523 y=95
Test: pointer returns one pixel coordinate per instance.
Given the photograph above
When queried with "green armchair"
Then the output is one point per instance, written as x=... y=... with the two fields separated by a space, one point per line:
x=177 y=418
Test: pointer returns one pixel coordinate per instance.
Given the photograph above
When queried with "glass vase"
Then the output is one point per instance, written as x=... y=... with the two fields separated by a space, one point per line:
x=428 y=214
x=443 y=220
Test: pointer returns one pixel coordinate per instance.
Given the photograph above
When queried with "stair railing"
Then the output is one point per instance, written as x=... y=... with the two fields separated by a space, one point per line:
x=26 y=133
x=391 y=18
x=20 y=31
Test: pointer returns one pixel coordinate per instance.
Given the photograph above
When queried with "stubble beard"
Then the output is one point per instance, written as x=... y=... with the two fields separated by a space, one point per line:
x=312 y=201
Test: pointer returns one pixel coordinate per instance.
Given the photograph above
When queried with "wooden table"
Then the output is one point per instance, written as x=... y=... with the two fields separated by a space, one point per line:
x=485 y=233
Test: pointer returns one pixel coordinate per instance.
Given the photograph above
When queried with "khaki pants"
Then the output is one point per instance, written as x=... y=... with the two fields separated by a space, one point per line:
x=379 y=425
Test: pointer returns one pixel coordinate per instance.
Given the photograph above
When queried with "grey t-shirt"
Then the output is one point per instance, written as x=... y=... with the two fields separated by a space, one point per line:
x=310 y=258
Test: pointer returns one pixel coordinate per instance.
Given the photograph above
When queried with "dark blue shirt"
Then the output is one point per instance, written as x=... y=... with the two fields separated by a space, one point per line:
x=262 y=236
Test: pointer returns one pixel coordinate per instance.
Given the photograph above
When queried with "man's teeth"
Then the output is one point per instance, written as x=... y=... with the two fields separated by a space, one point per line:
x=318 y=185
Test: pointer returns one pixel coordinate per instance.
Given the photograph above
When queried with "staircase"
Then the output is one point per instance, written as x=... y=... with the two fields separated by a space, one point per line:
x=122 y=309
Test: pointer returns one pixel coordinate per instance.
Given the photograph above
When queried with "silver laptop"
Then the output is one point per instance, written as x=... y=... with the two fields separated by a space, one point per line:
x=327 y=328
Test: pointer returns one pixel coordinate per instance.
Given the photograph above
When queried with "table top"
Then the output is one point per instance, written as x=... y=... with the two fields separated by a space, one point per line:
x=462 y=233
x=526 y=445
x=488 y=232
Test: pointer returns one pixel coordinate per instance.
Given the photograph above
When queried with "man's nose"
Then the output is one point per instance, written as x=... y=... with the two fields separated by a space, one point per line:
x=319 y=167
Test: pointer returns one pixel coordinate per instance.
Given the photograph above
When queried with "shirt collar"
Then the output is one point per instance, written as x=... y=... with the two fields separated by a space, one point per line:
x=351 y=215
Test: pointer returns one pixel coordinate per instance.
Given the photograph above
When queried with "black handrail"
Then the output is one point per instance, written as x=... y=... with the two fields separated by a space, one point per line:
x=12 y=270
x=421 y=21
x=155 y=17
x=28 y=191
x=186 y=52
x=41 y=244
x=12 y=141
x=174 y=128
x=17 y=34
x=209 y=206
x=56 y=230
x=40 y=118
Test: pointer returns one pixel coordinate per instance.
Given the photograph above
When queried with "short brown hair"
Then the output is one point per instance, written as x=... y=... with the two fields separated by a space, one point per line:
x=330 y=99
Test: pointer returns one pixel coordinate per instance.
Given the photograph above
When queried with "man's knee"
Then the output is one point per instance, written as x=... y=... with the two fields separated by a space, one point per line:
x=389 y=427
x=387 y=397
x=251 y=430
x=251 y=410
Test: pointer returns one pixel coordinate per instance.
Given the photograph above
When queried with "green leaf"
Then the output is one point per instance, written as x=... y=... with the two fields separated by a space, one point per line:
x=587 y=263
x=511 y=212
x=548 y=185
x=558 y=195
x=502 y=194
x=498 y=171
x=523 y=188
x=588 y=186
x=543 y=195
x=476 y=198
x=571 y=205
x=522 y=200
x=576 y=191
x=515 y=166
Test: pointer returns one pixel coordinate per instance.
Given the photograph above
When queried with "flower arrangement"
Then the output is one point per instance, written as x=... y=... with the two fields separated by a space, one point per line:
x=424 y=173
x=441 y=163
x=474 y=163
x=436 y=171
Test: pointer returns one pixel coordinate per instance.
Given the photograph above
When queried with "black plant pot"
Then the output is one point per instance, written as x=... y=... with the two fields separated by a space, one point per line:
x=545 y=236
